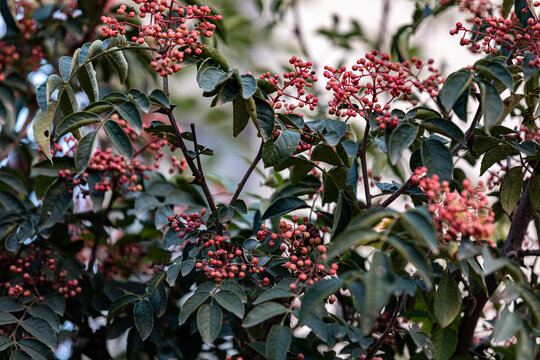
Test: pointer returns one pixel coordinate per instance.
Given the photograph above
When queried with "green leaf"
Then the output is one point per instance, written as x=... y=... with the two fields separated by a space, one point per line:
x=89 y=50
x=506 y=326
x=453 y=87
x=241 y=115
x=140 y=99
x=445 y=127
x=274 y=293
x=88 y=81
x=119 y=304
x=528 y=71
x=401 y=138
x=350 y=238
x=55 y=203
x=437 y=158
x=262 y=313
x=191 y=304
x=53 y=83
x=68 y=103
x=497 y=153
x=9 y=304
x=159 y=97
x=249 y=86
x=42 y=128
x=144 y=318
x=172 y=274
x=507 y=7
x=521 y=5
x=532 y=300
x=64 y=66
x=283 y=206
x=496 y=70
x=209 y=318
x=46 y=313
x=325 y=153
x=316 y=295
x=75 y=121
x=420 y=227
x=158 y=299
x=36 y=349
x=278 y=342
x=235 y=287
x=412 y=255
x=46 y=168
x=210 y=78
x=5 y=342
x=447 y=300
x=279 y=151
x=129 y=112
x=99 y=107
x=231 y=302
x=7 y=318
x=445 y=341
x=187 y=266
x=511 y=189
x=119 y=139
x=492 y=105
x=41 y=330
x=84 y=152
x=265 y=118
x=119 y=64
x=534 y=191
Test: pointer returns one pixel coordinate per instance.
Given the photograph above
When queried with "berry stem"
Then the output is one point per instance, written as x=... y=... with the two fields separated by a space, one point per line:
x=363 y=161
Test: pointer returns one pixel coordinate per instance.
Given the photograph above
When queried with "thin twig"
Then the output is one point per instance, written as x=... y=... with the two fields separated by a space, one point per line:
x=389 y=328
x=196 y=145
x=199 y=177
x=253 y=165
x=363 y=161
x=523 y=253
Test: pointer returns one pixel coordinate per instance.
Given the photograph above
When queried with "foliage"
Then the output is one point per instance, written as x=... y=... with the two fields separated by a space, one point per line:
x=111 y=224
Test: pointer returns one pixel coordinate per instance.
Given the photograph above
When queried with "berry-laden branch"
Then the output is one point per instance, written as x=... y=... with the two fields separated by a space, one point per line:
x=199 y=176
x=363 y=161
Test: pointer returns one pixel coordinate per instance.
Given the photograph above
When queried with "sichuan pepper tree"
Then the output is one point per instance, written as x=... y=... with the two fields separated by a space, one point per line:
x=111 y=226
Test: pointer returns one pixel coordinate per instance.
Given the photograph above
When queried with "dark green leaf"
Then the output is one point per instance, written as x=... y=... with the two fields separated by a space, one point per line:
x=262 y=313
x=413 y=256
x=327 y=154
x=88 y=81
x=41 y=330
x=119 y=304
x=506 y=326
x=445 y=342
x=437 y=158
x=265 y=118
x=5 y=342
x=249 y=86
x=285 y=146
x=75 y=121
x=56 y=201
x=315 y=296
x=85 y=150
x=42 y=128
x=278 y=342
x=36 y=349
x=64 y=66
x=144 y=318
x=209 y=318
x=119 y=64
x=497 y=71
x=120 y=140
x=274 y=293
x=492 y=105
x=420 y=226
x=447 y=300
x=400 y=139
x=283 y=206
x=231 y=302
x=445 y=127
x=511 y=189
x=191 y=304
x=159 y=97
x=350 y=238
x=140 y=99
x=453 y=87
x=46 y=313
x=7 y=318
x=129 y=112
x=496 y=154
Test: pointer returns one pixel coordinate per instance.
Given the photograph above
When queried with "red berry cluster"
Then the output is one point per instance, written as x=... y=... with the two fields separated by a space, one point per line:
x=110 y=164
x=359 y=91
x=480 y=8
x=530 y=133
x=30 y=275
x=124 y=124
x=184 y=224
x=490 y=33
x=302 y=247
x=8 y=56
x=69 y=149
x=167 y=30
x=457 y=215
x=298 y=79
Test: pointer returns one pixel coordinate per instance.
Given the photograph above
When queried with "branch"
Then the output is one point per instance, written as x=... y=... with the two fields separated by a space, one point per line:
x=199 y=176
x=523 y=214
x=389 y=328
x=242 y=182
x=524 y=253
x=363 y=161
x=196 y=148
